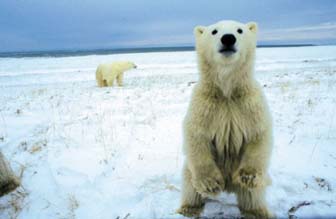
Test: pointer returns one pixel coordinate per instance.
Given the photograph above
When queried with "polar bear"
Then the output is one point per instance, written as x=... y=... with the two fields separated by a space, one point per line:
x=107 y=73
x=227 y=130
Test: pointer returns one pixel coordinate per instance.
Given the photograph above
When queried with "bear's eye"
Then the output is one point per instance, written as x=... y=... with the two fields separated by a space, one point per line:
x=240 y=31
x=214 y=32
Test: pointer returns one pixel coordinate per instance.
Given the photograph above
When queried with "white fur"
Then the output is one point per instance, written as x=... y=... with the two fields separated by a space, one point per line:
x=107 y=73
x=227 y=130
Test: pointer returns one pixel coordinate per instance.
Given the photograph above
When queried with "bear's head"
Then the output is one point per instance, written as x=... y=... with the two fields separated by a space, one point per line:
x=226 y=43
x=130 y=65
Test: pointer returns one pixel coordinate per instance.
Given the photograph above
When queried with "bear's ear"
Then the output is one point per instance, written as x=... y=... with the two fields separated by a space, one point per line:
x=199 y=30
x=252 y=26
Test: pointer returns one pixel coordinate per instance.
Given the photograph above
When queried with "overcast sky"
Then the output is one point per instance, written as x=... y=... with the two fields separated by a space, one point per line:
x=30 y=25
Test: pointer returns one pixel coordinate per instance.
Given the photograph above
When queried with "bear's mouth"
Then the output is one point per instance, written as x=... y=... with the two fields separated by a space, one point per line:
x=227 y=51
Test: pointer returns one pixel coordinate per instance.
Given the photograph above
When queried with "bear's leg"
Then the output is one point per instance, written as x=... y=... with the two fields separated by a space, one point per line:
x=120 y=80
x=192 y=203
x=8 y=181
x=252 y=204
x=110 y=82
x=99 y=78
x=100 y=83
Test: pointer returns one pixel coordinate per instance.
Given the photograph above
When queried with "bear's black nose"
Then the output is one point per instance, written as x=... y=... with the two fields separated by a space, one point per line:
x=228 y=40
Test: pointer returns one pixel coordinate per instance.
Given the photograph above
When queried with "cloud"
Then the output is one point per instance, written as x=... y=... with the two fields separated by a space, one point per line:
x=323 y=31
x=78 y=24
x=178 y=40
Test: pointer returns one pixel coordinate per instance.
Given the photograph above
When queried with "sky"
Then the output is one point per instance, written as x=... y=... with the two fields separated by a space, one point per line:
x=37 y=25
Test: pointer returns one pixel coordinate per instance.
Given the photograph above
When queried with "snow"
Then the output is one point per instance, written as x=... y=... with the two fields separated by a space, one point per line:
x=88 y=152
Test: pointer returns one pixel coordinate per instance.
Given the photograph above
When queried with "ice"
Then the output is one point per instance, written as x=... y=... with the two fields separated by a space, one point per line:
x=89 y=152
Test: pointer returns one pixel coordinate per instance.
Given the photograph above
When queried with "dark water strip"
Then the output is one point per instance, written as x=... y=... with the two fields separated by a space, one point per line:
x=65 y=53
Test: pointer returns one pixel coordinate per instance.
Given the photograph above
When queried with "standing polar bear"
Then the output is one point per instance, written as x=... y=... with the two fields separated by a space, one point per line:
x=107 y=73
x=227 y=130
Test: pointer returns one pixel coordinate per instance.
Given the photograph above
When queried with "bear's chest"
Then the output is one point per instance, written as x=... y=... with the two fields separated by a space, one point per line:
x=233 y=128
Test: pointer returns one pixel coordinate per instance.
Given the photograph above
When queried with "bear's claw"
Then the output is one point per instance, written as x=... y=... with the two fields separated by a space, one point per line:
x=210 y=184
x=190 y=211
x=248 y=177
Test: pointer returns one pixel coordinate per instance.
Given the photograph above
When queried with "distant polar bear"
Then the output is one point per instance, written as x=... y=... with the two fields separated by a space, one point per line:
x=227 y=130
x=107 y=73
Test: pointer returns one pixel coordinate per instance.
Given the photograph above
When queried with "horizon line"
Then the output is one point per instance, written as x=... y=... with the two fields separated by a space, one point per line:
x=106 y=51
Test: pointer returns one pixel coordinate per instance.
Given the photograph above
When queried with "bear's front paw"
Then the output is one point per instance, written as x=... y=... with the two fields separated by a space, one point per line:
x=190 y=211
x=209 y=183
x=248 y=177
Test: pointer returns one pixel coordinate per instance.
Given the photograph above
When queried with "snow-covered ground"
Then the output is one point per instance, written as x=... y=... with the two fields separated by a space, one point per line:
x=87 y=152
